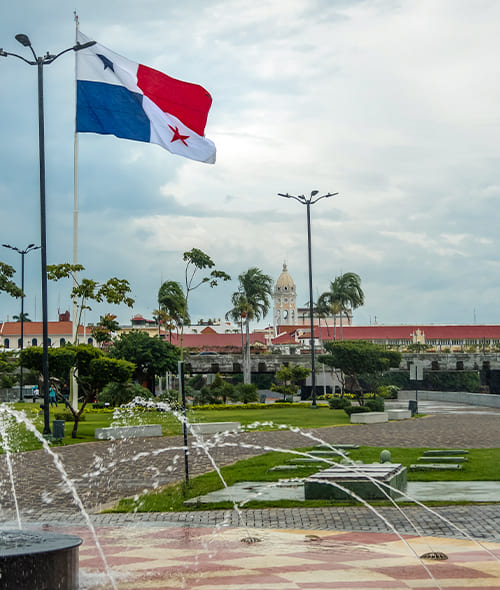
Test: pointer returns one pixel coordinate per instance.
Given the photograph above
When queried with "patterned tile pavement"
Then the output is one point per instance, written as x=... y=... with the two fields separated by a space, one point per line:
x=164 y=558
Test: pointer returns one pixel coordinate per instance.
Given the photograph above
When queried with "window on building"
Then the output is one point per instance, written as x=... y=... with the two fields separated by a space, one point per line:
x=6 y=343
x=62 y=341
x=34 y=342
x=90 y=341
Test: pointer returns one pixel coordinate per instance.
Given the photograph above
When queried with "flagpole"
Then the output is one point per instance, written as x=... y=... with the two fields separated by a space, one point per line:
x=74 y=383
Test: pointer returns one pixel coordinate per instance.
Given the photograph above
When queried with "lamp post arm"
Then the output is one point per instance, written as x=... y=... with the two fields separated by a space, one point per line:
x=8 y=53
x=323 y=197
x=301 y=199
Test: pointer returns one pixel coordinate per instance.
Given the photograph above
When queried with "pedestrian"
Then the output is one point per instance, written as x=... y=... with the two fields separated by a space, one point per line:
x=52 y=396
x=36 y=393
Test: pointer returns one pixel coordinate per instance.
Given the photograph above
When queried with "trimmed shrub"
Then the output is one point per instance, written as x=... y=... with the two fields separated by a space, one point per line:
x=375 y=404
x=339 y=403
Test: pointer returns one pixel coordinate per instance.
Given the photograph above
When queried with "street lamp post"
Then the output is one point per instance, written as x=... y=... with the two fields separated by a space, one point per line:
x=29 y=248
x=41 y=61
x=308 y=202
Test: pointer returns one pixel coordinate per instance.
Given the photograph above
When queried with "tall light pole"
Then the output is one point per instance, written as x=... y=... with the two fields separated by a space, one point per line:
x=29 y=248
x=308 y=202
x=39 y=62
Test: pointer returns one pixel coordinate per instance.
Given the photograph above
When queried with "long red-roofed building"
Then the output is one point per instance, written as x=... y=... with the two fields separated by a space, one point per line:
x=438 y=337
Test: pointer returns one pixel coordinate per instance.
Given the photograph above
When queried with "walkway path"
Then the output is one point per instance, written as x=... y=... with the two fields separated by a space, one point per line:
x=104 y=472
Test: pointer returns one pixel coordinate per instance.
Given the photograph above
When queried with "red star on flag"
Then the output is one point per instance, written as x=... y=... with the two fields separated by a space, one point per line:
x=178 y=136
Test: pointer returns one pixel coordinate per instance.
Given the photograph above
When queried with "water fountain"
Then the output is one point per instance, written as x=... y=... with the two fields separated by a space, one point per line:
x=115 y=462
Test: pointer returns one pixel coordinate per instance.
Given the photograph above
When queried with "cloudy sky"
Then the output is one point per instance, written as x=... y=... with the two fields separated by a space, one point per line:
x=392 y=103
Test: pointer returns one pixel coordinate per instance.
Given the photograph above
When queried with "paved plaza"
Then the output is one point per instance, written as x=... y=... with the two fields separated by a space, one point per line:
x=329 y=547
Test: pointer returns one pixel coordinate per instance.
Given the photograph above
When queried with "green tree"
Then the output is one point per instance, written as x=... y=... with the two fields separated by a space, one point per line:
x=345 y=295
x=172 y=304
x=6 y=284
x=151 y=356
x=114 y=291
x=93 y=372
x=250 y=302
x=103 y=331
x=24 y=315
x=289 y=377
x=8 y=365
x=355 y=357
x=196 y=260
x=246 y=392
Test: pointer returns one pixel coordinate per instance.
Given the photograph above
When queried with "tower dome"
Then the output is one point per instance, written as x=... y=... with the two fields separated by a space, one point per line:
x=285 y=304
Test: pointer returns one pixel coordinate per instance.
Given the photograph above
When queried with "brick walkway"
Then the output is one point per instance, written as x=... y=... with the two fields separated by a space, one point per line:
x=103 y=472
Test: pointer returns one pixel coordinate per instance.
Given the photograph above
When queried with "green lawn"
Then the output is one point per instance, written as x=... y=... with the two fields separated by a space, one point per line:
x=481 y=466
x=303 y=417
x=269 y=418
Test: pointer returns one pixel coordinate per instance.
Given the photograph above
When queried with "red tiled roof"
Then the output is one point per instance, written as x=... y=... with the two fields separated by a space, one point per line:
x=404 y=332
x=212 y=341
x=285 y=338
x=36 y=329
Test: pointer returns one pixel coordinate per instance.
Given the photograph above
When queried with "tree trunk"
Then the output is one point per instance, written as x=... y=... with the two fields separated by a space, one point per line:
x=247 y=377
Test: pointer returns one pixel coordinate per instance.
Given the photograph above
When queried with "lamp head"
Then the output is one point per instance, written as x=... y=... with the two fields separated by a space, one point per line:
x=314 y=193
x=23 y=39
x=31 y=246
x=80 y=46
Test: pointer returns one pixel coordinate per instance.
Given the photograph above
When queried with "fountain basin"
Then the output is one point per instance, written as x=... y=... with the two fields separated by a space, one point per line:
x=38 y=560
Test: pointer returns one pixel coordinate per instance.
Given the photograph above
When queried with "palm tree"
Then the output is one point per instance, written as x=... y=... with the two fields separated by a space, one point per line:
x=172 y=301
x=250 y=302
x=24 y=315
x=345 y=295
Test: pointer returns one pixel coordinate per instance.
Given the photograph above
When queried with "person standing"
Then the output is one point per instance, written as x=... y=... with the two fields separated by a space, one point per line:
x=52 y=396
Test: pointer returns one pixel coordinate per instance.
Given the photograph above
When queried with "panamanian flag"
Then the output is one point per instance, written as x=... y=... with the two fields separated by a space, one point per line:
x=119 y=97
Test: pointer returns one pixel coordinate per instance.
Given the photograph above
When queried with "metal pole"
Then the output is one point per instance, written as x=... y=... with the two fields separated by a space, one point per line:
x=43 y=242
x=180 y=366
x=311 y=305
x=21 y=397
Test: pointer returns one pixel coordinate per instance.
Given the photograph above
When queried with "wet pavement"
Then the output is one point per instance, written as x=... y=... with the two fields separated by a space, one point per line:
x=345 y=545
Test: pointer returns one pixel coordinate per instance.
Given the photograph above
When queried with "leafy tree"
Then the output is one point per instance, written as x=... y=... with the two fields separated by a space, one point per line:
x=345 y=295
x=250 y=302
x=114 y=291
x=288 y=378
x=246 y=392
x=196 y=260
x=223 y=389
x=151 y=356
x=117 y=394
x=8 y=366
x=93 y=372
x=6 y=284
x=355 y=357
x=103 y=331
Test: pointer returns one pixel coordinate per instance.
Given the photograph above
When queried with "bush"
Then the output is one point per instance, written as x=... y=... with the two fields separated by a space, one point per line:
x=388 y=391
x=117 y=394
x=375 y=404
x=247 y=392
x=339 y=403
